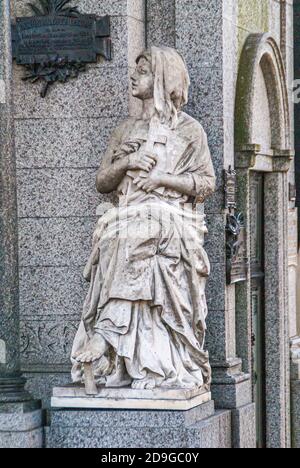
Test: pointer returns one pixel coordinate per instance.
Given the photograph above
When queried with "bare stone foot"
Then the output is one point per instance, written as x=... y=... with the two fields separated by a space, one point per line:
x=144 y=384
x=93 y=351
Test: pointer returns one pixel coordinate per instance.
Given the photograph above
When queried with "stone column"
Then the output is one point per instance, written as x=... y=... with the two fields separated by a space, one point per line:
x=20 y=417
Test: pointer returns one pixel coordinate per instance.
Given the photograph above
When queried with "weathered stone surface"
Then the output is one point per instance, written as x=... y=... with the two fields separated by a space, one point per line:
x=215 y=241
x=295 y=411
x=216 y=334
x=21 y=425
x=232 y=395
x=161 y=23
x=58 y=193
x=75 y=397
x=200 y=32
x=9 y=311
x=77 y=98
x=47 y=341
x=25 y=439
x=15 y=422
x=215 y=288
x=40 y=384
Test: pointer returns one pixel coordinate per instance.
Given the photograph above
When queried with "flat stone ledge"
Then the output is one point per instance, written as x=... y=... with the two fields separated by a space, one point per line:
x=127 y=398
x=22 y=439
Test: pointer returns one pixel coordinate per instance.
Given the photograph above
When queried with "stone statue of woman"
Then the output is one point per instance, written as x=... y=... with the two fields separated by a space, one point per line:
x=143 y=321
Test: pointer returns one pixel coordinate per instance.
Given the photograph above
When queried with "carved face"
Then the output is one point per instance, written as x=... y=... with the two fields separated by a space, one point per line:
x=143 y=80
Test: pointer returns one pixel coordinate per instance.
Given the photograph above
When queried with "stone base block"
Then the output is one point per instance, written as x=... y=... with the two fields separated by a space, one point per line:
x=199 y=427
x=244 y=427
x=74 y=396
x=21 y=425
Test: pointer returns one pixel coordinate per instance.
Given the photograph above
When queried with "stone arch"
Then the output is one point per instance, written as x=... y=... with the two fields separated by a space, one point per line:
x=262 y=73
x=262 y=51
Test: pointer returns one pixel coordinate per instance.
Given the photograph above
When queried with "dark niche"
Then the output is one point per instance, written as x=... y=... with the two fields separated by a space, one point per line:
x=58 y=42
x=236 y=255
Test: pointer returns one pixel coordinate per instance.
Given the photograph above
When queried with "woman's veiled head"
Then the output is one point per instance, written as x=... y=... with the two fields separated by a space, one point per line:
x=161 y=74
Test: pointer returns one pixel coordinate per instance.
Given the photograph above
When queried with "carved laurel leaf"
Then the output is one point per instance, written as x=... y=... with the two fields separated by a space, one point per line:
x=54 y=7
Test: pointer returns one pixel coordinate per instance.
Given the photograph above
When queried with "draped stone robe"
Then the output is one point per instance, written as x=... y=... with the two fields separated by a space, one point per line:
x=148 y=267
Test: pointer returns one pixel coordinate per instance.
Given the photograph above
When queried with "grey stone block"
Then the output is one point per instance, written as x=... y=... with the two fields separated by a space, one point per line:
x=233 y=395
x=244 y=427
x=47 y=341
x=41 y=384
x=206 y=95
x=139 y=429
x=52 y=291
x=216 y=334
x=14 y=421
x=161 y=23
x=215 y=203
x=101 y=8
x=21 y=426
x=55 y=241
x=27 y=439
x=93 y=94
x=131 y=418
x=62 y=142
x=58 y=193
x=215 y=289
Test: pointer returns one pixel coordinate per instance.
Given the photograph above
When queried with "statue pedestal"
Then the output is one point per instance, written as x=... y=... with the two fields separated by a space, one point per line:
x=126 y=418
x=73 y=396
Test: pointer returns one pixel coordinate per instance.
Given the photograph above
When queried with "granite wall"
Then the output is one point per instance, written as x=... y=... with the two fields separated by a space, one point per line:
x=211 y=35
x=59 y=141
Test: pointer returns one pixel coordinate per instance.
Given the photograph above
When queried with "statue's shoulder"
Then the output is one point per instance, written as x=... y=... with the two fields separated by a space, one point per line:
x=125 y=126
x=190 y=127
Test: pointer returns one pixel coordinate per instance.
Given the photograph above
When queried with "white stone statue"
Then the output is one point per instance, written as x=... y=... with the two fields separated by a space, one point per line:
x=143 y=321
